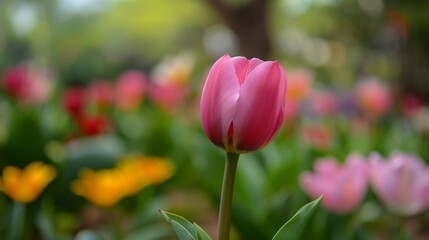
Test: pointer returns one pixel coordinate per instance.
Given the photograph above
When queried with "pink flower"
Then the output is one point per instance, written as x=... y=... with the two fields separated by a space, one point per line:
x=291 y=111
x=402 y=182
x=342 y=187
x=100 y=93
x=323 y=103
x=73 y=101
x=242 y=103
x=373 y=97
x=27 y=85
x=168 y=97
x=318 y=136
x=411 y=105
x=171 y=78
x=130 y=89
x=299 y=85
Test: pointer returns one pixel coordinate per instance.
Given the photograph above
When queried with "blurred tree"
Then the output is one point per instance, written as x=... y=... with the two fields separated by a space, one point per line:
x=410 y=22
x=249 y=21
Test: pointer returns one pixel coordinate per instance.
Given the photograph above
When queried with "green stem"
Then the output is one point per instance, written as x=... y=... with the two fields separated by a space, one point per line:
x=17 y=221
x=226 y=197
x=397 y=228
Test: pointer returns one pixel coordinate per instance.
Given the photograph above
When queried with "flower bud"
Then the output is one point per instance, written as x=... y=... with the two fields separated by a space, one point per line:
x=242 y=103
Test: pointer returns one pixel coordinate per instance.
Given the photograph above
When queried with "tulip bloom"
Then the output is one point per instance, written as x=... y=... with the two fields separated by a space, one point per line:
x=402 y=182
x=100 y=93
x=107 y=187
x=26 y=185
x=93 y=125
x=73 y=100
x=300 y=82
x=323 y=103
x=28 y=86
x=171 y=78
x=103 y=188
x=318 y=136
x=141 y=171
x=130 y=89
x=242 y=103
x=373 y=97
x=342 y=187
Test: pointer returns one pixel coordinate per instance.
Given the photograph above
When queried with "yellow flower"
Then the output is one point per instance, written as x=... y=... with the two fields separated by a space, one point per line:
x=140 y=171
x=26 y=185
x=103 y=188
x=107 y=187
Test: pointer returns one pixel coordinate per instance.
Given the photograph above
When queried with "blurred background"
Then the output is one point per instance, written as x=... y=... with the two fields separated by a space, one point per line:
x=99 y=115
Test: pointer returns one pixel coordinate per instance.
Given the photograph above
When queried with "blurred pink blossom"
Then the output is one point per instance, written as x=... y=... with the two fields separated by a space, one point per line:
x=130 y=89
x=73 y=101
x=373 y=97
x=168 y=97
x=171 y=79
x=299 y=85
x=342 y=187
x=323 y=103
x=318 y=136
x=401 y=182
x=291 y=110
x=411 y=105
x=100 y=93
x=27 y=85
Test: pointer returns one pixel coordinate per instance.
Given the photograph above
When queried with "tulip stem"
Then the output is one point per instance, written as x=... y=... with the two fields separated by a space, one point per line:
x=226 y=197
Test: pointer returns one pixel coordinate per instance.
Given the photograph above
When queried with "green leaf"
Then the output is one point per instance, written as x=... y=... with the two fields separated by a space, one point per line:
x=201 y=234
x=184 y=229
x=293 y=228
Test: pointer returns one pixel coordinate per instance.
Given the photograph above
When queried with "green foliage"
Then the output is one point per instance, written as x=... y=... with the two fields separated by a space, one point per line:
x=184 y=229
x=293 y=228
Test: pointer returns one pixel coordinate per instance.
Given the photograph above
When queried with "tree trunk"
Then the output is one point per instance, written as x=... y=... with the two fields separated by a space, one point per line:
x=250 y=24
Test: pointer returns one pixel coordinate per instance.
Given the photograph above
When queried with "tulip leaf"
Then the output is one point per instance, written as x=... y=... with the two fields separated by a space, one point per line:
x=293 y=228
x=201 y=234
x=184 y=229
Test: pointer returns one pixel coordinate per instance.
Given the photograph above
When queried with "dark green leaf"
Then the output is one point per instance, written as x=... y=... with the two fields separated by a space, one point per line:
x=293 y=228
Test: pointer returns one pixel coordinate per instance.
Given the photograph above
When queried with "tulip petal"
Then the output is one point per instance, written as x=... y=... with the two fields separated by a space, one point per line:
x=243 y=66
x=261 y=98
x=219 y=100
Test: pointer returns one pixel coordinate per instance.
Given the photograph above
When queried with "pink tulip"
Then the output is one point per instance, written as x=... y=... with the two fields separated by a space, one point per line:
x=168 y=98
x=27 y=85
x=323 y=103
x=342 y=187
x=299 y=85
x=130 y=89
x=171 y=78
x=100 y=93
x=291 y=111
x=402 y=182
x=411 y=105
x=73 y=100
x=242 y=103
x=373 y=97
x=318 y=136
